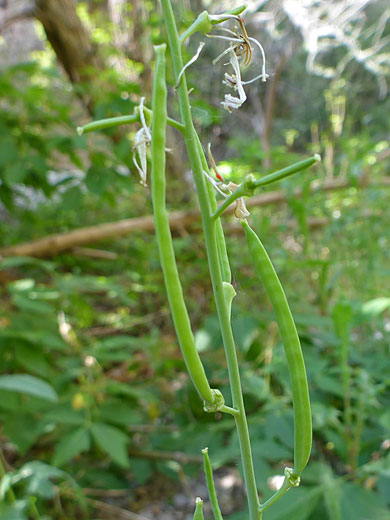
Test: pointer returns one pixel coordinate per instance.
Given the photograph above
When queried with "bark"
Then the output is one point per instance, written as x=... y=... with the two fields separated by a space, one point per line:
x=179 y=221
x=70 y=41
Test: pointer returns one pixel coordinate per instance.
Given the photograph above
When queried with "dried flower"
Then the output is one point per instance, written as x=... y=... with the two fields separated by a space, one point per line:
x=224 y=189
x=143 y=139
x=239 y=49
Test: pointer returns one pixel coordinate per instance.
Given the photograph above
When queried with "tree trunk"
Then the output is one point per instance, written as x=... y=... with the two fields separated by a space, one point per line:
x=70 y=41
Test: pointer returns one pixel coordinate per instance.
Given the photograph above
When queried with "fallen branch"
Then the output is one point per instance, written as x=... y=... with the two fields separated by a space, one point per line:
x=179 y=220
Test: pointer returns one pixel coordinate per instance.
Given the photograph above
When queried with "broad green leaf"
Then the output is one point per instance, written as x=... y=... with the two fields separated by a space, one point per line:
x=38 y=476
x=23 y=429
x=26 y=384
x=361 y=504
x=18 y=261
x=254 y=385
x=16 y=511
x=374 y=307
x=63 y=413
x=332 y=492
x=32 y=358
x=26 y=304
x=119 y=412
x=112 y=441
x=137 y=392
x=71 y=445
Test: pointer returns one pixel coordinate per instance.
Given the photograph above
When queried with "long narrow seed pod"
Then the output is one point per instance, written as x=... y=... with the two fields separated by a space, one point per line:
x=198 y=515
x=210 y=485
x=163 y=233
x=292 y=347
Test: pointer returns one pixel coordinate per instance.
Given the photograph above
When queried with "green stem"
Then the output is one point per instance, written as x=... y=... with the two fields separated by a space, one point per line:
x=221 y=242
x=275 y=497
x=204 y=23
x=33 y=509
x=213 y=259
x=10 y=492
x=112 y=122
x=229 y=410
x=250 y=184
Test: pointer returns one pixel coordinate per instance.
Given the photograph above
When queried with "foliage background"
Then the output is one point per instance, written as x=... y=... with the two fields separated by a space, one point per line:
x=96 y=408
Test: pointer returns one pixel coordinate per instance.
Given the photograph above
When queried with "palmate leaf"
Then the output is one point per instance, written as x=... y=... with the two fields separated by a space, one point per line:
x=26 y=384
x=112 y=441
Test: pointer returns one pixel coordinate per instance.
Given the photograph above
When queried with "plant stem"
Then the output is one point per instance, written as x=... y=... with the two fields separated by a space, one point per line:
x=113 y=122
x=250 y=183
x=213 y=259
x=10 y=492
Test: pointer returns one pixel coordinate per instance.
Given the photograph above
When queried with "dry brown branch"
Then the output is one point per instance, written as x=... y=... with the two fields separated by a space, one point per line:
x=114 y=511
x=54 y=244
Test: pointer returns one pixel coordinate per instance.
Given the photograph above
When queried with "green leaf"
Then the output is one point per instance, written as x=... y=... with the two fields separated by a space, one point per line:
x=332 y=492
x=113 y=442
x=14 y=511
x=38 y=476
x=63 y=413
x=71 y=445
x=374 y=307
x=23 y=429
x=19 y=261
x=26 y=384
x=119 y=412
x=361 y=504
x=296 y=504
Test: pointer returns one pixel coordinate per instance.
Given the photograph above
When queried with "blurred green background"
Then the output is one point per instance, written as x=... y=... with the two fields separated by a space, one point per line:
x=98 y=417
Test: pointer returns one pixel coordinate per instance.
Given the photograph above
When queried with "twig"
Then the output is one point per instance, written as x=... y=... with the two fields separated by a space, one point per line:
x=114 y=511
x=55 y=244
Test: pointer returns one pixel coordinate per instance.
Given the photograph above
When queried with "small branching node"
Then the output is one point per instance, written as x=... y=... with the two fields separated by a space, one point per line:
x=293 y=479
x=216 y=404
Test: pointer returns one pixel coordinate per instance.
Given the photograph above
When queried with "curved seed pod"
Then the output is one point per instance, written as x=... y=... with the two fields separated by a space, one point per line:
x=292 y=347
x=163 y=233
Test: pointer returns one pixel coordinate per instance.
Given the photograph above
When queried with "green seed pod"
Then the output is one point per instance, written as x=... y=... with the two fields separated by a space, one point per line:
x=292 y=347
x=198 y=515
x=164 y=239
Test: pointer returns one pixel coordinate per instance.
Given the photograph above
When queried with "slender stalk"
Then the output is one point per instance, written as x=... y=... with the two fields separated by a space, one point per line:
x=113 y=122
x=33 y=509
x=213 y=259
x=221 y=242
x=250 y=183
x=10 y=492
x=275 y=497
